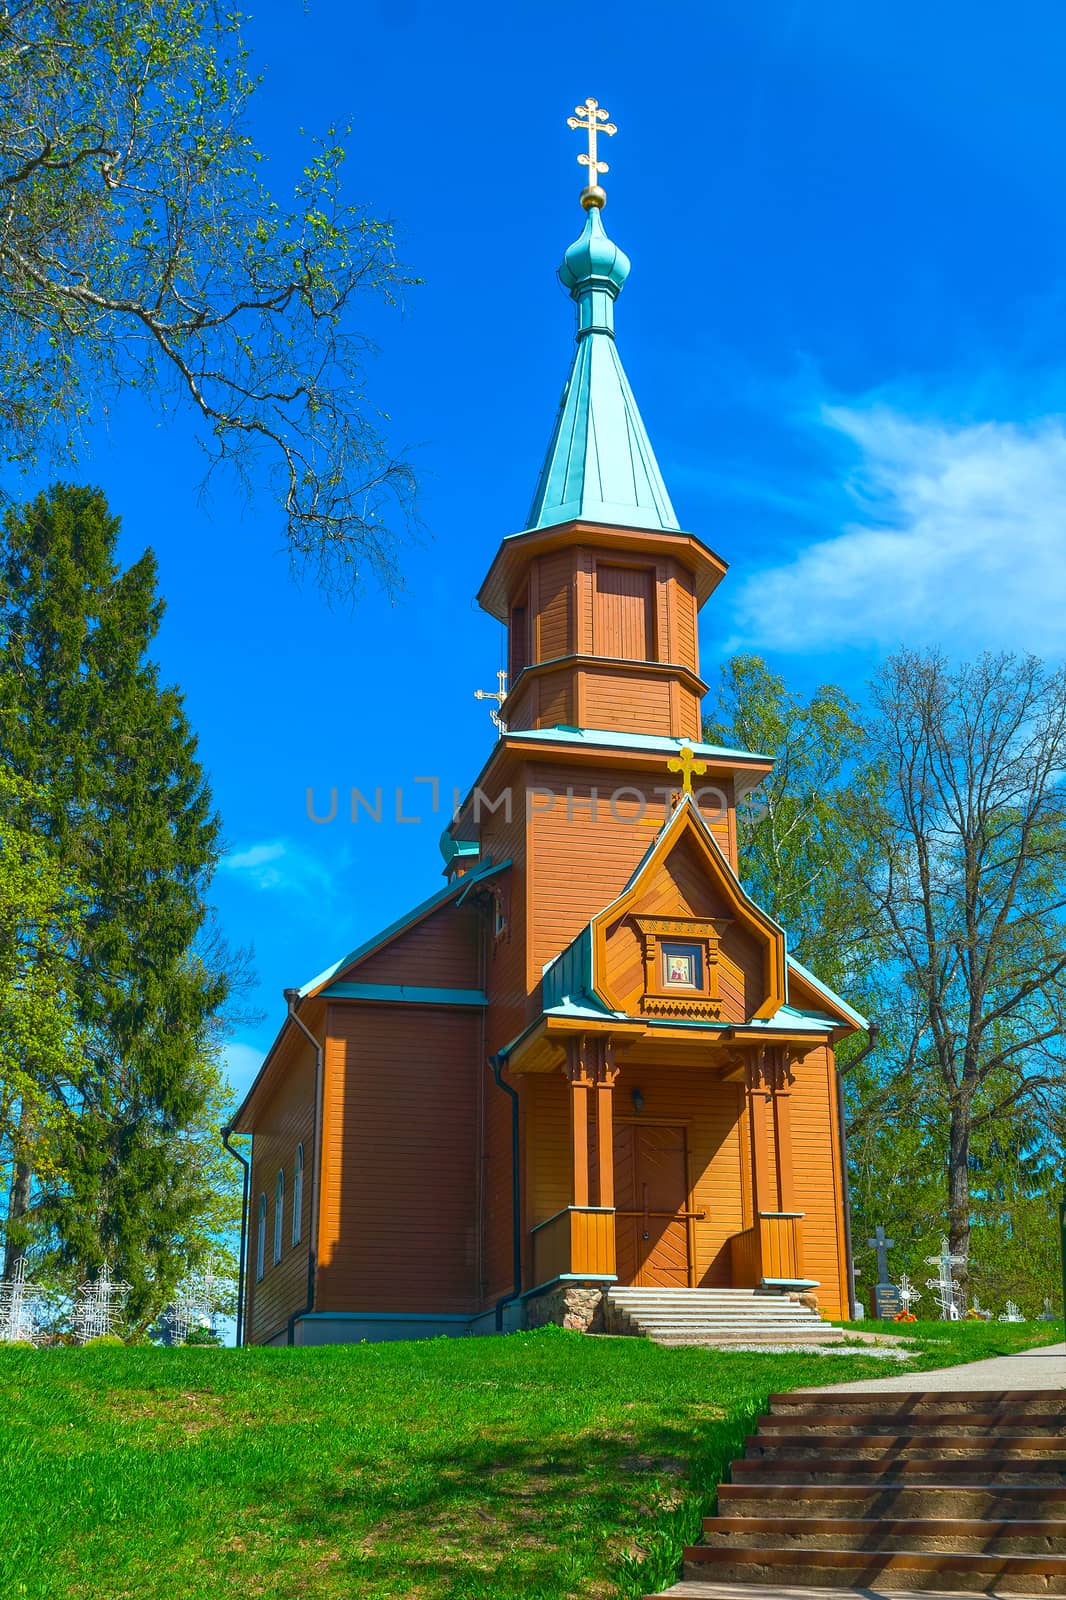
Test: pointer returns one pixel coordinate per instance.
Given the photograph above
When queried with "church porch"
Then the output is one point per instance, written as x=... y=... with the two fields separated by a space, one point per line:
x=665 y=1165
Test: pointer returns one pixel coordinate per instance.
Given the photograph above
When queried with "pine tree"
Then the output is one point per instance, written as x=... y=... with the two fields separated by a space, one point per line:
x=120 y=796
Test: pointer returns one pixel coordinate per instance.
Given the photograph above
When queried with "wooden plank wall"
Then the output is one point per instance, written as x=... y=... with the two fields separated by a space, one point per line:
x=285 y=1120
x=577 y=864
x=399 y=1205
x=817 y=1177
x=440 y=952
x=554 y=586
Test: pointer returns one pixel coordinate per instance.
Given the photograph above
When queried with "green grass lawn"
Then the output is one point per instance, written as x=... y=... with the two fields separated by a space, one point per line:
x=542 y=1465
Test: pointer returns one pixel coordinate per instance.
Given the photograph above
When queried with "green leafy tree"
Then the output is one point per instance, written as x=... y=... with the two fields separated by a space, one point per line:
x=802 y=835
x=140 y=249
x=116 y=788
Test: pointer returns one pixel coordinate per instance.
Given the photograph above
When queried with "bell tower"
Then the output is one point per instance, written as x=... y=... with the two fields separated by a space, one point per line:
x=600 y=591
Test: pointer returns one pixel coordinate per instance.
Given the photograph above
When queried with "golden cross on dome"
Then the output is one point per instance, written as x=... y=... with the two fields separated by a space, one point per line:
x=686 y=764
x=593 y=119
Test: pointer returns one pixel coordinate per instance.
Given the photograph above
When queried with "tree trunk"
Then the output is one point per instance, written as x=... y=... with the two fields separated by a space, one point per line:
x=959 y=1133
x=18 y=1204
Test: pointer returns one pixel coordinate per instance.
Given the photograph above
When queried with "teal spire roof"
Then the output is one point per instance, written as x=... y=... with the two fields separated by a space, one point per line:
x=600 y=465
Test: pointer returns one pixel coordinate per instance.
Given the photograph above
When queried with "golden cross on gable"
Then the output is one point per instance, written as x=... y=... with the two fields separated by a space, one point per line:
x=593 y=119
x=686 y=764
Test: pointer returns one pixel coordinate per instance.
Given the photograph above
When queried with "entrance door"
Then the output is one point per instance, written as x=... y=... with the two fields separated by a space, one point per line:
x=651 y=1194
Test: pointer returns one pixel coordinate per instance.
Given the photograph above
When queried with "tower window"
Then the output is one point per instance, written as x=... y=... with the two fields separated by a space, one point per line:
x=623 y=613
x=518 y=637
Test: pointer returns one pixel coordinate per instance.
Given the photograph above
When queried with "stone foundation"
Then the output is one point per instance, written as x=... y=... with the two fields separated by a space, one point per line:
x=567 y=1305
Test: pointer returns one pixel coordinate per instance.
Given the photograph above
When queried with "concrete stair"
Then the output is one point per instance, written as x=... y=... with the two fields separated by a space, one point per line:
x=717 y=1318
x=960 y=1493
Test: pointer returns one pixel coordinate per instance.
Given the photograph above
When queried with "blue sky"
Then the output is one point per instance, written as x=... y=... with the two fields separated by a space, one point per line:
x=844 y=326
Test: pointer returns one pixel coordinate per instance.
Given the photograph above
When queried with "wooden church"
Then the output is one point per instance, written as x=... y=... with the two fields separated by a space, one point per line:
x=586 y=1063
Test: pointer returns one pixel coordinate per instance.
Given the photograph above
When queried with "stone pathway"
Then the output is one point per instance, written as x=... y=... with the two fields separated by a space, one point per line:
x=1044 y=1368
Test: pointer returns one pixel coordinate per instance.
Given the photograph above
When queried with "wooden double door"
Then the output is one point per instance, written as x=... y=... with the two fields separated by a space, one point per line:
x=651 y=1199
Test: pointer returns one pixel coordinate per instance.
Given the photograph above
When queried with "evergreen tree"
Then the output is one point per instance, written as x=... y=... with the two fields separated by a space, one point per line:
x=120 y=796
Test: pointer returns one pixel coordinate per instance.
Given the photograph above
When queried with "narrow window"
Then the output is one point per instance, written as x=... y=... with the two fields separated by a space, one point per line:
x=261 y=1238
x=279 y=1213
x=298 y=1195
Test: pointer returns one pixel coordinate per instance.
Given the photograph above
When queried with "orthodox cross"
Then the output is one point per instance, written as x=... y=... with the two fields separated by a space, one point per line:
x=499 y=695
x=93 y=1310
x=944 y=1283
x=686 y=764
x=881 y=1244
x=908 y=1294
x=593 y=119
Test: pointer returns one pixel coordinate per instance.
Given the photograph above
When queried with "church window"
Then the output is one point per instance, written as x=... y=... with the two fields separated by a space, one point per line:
x=279 y=1213
x=260 y=1240
x=682 y=966
x=298 y=1195
x=518 y=637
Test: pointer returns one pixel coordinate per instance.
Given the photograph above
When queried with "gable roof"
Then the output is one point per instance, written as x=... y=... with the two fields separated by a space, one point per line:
x=686 y=819
x=456 y=890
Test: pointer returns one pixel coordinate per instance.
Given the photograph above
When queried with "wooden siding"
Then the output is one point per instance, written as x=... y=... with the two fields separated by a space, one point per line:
x=817 y=1178
x=630 y=704
x=579 y=861
x=285 y=1120
x=554 y=589
x=440 y=952
x=399 y=1203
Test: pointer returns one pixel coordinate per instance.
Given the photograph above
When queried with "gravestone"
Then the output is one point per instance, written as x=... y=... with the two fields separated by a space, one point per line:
x=886 y=1296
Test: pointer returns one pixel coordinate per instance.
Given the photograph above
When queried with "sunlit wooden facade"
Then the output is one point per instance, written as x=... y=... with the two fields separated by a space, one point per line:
x=588 y=1058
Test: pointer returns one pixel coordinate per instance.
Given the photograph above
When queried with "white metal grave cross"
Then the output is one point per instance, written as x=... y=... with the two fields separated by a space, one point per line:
x=1011 y=1314
x=499 y=695
x=944 y=1283
x=94 y=1310
x=908 y=1294
x=16 y=1307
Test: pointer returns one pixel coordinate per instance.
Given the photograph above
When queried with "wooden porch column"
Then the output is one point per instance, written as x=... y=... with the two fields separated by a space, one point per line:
x=786 y=1177
x=606 y=1077
x=764 y=1188
x=579 y=1080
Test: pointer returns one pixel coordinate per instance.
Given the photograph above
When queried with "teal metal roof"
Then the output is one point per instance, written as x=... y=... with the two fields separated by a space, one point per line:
x=449 y=892
x=600 y=465
x=405 y=994
x=565 y=734
x=823 y=988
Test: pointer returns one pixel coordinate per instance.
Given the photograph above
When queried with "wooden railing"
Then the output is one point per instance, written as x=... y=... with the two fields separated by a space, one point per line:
x=770 y=1251
x=578 y=1240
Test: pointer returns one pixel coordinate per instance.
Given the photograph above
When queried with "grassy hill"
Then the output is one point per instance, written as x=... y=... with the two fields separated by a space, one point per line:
x=543 y=1465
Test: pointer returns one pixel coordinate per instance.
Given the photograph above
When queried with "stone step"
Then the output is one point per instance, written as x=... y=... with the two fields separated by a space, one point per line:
x=995 y=1502
x=976 y=1423
x=726 y=1324
x=702 y=1589
x=1049 y=1402
x=745 y=1341
x=973 y=1536
x=915 y=1446
x=991 y=1468
x=884 y=1569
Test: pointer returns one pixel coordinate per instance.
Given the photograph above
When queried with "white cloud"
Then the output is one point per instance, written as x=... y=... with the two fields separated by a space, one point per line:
x=960 y=539
x=242 y=1062
x=279 y=865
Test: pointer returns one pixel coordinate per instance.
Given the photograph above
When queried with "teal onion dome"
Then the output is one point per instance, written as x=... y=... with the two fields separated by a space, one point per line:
x=600 y=465
x=594 y=260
